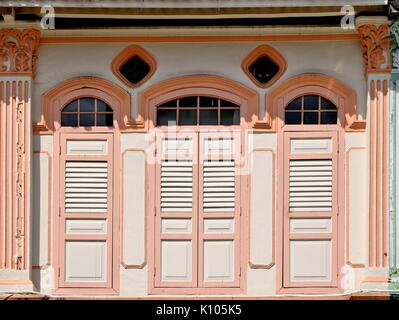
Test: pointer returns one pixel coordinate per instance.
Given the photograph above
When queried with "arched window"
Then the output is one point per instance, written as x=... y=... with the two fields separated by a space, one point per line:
x=198 y=110
x=87 y=112
x=311 y=109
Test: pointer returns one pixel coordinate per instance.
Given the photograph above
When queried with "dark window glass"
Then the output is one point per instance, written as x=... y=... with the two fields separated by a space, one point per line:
x=105 y=120
x=328 y=117
x=169 y=104
x=86 y=114
x=87 y=105
x=103 y=107
x=208 y=117
x=293 y=117
x=295 y=104
x=187 y=117
x=311 y=103
x=310 y=118
x=188 y=102
x=228 y=104
x=135 y=69
x=186 y=110
x=87 y=120
x=263 y=69
x=316 y=110
x=72 y=107
x=69 y=120
x=208 y=102
x=230 y=117
x=164 y=117
x=327 y=105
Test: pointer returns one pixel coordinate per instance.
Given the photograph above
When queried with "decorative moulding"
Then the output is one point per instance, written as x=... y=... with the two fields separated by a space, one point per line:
x=272 y=54
x=116 y=97
x=375 y=41
x=125 y=55
x=317 y=84
x=18 y=51
x=198 y=84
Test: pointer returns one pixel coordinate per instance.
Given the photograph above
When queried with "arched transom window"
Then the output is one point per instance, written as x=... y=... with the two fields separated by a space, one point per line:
x=311 y=109
x=87 y=112
x=198 y=110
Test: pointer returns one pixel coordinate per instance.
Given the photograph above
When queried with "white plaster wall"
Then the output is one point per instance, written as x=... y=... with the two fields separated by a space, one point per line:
x=59 y=62
x=263 y=154
x=133 y=281
x=340 y=59
x=42 y=185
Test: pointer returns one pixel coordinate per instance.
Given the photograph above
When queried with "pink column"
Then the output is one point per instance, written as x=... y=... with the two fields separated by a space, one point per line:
x=375 y=42
x=17 y=63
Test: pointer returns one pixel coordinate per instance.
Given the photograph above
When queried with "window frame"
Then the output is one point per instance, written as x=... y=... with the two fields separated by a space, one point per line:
x=319 y=111
x=79 y=113
x=198 y=109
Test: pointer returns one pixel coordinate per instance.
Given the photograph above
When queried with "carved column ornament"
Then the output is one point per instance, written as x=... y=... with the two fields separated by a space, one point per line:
x=18 y=51
x=375 y=41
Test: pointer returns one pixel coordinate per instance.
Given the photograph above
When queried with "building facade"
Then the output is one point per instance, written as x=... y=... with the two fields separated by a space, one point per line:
x=198 y=148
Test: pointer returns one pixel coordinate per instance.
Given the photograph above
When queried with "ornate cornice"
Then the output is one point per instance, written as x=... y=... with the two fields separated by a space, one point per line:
x=18 y=51
x=375 y=42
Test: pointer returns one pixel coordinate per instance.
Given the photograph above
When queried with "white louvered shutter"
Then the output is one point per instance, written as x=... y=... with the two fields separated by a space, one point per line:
x=310 y=185
x=219 y=186
x=86 y=210
x=86 y=186
x=310 y=209
x=176 y=186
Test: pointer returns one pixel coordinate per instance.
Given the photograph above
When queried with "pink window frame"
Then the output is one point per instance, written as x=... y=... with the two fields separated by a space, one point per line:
x=345 y=99
x=198 y=85
x=53 y=101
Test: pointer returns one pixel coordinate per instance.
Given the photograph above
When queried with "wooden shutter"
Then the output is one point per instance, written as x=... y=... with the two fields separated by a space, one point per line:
x=310 y=209
x=86 y=186
x=219 y=209
x=176 y=210
x=86 y=207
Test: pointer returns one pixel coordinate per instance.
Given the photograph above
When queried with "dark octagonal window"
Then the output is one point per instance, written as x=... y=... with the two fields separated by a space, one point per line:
x=135 y=69
x=263 y=69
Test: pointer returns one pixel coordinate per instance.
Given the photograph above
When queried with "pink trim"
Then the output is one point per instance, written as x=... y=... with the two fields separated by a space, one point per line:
x=198 y=85
x=56 y=98
x=125 y=55
x=287 y=215
x=378 y=177
x=371 y=173
x=272 y=263
x=273 y=55
x=63 y=216
x=385 y=177
x=113 y=258
x=278 y=99
x=2 y=164
x=337 y=92
x=193 y=236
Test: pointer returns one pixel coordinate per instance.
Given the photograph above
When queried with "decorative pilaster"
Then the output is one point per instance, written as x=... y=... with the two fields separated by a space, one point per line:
x=18 y=56
x=375 y=42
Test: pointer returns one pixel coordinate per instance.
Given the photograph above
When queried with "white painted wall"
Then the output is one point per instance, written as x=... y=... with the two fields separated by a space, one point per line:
x=59 y=62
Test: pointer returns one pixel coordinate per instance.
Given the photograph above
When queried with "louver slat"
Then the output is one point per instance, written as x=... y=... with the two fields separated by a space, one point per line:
x=310 y=185
x=176 y=186
x=86 y=186
x=219 y=186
